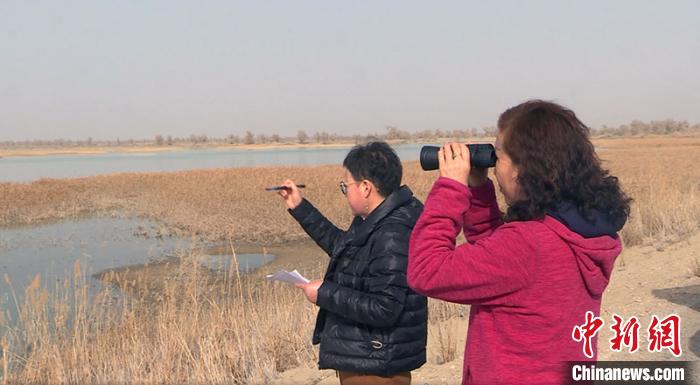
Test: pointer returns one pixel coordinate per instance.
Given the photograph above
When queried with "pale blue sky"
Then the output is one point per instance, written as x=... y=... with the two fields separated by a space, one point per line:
x=134 y=69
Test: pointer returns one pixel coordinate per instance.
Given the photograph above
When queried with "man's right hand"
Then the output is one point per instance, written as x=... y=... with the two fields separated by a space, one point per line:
x=291 y=195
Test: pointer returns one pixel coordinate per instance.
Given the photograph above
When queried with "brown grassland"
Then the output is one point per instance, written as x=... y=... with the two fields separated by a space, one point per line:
x=195 y=326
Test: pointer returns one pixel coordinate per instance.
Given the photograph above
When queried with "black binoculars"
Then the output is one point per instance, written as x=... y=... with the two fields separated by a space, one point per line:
x=480 y=155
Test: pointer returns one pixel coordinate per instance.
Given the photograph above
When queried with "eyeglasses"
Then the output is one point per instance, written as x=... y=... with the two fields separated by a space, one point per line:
x=344 y=187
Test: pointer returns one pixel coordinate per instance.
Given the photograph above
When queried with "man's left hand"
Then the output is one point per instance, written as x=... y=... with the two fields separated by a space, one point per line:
x=310 y=290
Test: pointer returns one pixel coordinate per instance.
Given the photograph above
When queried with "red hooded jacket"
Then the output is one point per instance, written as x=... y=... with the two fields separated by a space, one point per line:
x=529 y=283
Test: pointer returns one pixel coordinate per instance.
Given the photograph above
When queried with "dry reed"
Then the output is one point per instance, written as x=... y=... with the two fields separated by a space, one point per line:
x=198 y=327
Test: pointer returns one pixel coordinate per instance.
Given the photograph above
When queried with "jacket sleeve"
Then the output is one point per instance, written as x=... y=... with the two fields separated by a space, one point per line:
x=319 y=228
x=487 y=271
x=385 y=299
x=483 y=215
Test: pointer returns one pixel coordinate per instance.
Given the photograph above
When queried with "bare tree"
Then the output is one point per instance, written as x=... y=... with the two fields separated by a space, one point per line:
x=490 y=131
x=248 y=138
x=302 y=137
x=392 y=132
x=322 y=137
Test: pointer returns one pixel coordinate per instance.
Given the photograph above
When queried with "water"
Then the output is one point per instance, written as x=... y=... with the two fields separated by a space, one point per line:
x=27 y=169
x=98 y=244
x=222 y=261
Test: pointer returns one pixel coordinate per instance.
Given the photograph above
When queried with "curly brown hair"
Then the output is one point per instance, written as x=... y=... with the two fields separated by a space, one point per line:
x=556 y=163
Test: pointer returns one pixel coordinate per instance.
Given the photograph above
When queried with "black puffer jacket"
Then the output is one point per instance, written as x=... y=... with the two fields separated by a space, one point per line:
x=369 y=320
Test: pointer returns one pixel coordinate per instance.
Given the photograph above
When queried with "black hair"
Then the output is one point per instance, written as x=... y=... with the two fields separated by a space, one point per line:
x=376 y=162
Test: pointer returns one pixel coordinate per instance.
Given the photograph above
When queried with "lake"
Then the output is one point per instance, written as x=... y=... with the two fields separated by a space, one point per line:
x=30 y=168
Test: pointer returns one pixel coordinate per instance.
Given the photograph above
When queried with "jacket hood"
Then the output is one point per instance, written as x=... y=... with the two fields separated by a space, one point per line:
x=595 y=244
x=600 y=224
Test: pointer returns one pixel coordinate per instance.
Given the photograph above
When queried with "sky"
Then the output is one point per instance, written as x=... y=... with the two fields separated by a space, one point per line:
x=136 y=69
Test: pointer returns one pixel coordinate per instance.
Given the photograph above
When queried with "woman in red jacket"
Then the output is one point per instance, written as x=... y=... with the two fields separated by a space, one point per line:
x=530 y=275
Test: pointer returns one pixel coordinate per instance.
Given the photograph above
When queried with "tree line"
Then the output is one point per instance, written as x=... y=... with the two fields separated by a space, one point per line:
x=390 y=133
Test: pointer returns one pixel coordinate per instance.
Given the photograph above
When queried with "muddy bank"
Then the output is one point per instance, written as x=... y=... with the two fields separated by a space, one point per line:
x=151 y=278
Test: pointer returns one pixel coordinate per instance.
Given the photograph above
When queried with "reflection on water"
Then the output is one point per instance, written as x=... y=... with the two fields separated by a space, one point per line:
x=28 y=168
x=220 y=257
x=244 y=262
x=98 y=244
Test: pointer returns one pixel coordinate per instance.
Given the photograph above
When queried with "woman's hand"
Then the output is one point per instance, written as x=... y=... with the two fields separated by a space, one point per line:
x=291 y=195
x=310 y=290
x=455 y=163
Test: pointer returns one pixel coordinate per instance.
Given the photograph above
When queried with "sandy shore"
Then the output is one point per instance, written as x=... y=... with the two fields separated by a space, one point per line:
x=43 y=151
x=98 y=150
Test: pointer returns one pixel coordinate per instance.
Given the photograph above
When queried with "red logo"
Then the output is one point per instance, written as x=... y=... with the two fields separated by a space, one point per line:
x=665 y=334
x=586 y=332
x=625 y=335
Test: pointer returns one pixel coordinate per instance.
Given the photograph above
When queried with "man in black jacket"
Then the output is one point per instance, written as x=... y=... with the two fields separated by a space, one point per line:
x=371 y=326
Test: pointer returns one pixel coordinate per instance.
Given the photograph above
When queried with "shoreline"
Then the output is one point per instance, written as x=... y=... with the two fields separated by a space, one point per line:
x=101 y=150
x=302 y=254
x=152 y=148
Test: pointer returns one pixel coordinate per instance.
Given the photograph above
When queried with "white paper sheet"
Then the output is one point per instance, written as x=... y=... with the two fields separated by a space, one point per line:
x=292 y=277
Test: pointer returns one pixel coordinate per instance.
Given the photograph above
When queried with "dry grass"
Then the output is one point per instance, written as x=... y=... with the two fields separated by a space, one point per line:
x=663 y=178
x=445 y=330
x=197 y=328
